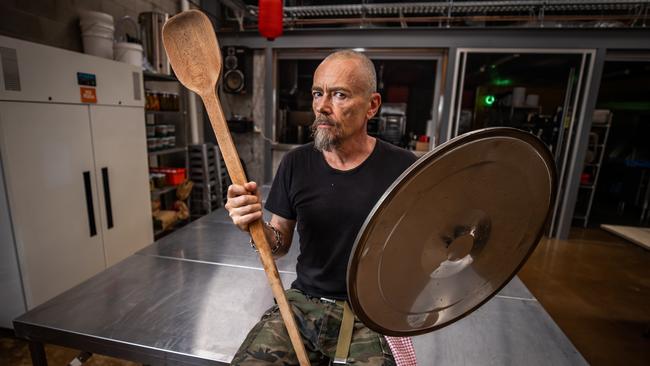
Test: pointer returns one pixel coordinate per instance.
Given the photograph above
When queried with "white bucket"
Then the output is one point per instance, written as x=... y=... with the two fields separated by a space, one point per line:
x=104 y=29
x=518 y=96
x=532 y=100
x=96 y=22
x=128 y=52
x=97 y=31
x=94 y=17
x=98 y=45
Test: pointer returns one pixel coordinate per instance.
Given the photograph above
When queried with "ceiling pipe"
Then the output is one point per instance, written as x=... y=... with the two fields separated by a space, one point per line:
x=456 y=19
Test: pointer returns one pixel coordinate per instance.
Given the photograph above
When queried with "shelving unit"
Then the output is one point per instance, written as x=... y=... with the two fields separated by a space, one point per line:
x=208 y=172
x=161 y=191
x=163 y=113
x=167 y=151
x=176 y=156
x=597 y=143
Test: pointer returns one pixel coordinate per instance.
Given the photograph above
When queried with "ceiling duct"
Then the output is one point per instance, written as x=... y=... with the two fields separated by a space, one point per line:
x=517 y=13
x=468 y=7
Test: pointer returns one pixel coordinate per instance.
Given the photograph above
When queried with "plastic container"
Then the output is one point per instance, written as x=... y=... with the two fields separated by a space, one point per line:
x=131 y=53
x=175 y=176
x=532 y=100
x=97 y=30
x=159 y=179
x=98 y=45
x=518 y=96
x=89 y=18
x=161 y=130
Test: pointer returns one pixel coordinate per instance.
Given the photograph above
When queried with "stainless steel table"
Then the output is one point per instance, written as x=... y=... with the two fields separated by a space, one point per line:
x=191 y=298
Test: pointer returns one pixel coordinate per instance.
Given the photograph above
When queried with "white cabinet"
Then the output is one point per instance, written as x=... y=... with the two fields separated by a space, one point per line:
x=75 y=192
x=57 y=161
x=119 y=142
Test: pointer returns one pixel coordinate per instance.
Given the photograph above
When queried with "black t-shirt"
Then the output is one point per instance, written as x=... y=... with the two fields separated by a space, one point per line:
x=330 y=206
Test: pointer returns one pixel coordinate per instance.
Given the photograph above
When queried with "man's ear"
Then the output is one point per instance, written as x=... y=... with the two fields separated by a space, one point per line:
x=375 y=103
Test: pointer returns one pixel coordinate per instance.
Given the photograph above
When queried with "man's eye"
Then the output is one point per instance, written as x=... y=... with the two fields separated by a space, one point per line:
x=339 y=95
x=316 y=94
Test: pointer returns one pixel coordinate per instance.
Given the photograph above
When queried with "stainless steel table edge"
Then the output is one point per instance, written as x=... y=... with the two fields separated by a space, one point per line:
x=210 y=263
x=38 y=336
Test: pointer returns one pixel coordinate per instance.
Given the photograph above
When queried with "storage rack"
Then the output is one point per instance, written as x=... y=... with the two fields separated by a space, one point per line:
x=601 y=130
x=173 y=156
x=208 y=172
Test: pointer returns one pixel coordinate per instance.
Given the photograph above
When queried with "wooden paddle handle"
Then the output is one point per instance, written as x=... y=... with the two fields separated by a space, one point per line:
x=237 y=175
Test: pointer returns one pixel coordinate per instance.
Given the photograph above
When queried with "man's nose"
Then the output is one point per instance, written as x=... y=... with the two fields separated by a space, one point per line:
x=323 y=105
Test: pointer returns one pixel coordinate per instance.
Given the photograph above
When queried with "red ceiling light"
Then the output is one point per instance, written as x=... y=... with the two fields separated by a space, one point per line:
x=269 y=19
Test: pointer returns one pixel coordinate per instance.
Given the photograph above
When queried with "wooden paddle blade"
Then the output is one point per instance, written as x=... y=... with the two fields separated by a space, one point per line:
x=193 y=50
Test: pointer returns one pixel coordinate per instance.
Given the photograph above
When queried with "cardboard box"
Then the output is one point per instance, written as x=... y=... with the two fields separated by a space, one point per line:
x=422 y=146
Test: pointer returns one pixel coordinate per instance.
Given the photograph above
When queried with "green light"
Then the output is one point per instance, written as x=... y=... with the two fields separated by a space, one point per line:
x=489 y=100
x=502 y=82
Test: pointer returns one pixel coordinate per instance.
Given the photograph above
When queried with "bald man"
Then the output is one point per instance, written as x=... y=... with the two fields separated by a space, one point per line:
x=328 y=187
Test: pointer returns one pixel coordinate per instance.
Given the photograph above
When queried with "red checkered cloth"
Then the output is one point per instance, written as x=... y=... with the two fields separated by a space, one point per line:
x=403 y=351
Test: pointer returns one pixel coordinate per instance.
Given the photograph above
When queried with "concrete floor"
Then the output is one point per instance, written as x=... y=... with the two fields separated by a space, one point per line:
x=595 y=286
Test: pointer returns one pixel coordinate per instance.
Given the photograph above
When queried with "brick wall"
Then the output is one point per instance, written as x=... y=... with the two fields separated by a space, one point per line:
x=56 y=22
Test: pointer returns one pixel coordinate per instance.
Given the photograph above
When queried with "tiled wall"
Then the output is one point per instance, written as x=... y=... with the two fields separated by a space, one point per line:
x=56 y=22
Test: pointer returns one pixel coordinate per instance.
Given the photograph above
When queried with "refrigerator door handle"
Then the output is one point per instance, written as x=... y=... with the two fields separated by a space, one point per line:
x=107 y=198
x=89 y=204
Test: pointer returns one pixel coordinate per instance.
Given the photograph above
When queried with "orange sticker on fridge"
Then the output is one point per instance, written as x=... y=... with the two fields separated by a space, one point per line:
x=88 y=95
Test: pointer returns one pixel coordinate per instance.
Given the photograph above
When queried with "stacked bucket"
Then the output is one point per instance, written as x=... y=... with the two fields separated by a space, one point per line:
x=97 y=31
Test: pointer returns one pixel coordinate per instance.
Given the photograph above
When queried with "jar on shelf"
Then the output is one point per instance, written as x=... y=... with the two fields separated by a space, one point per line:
x=164 y=101
x=147 y=99
x=174 y=104
x=155 y=101
x=171 y=142
x=161 y=130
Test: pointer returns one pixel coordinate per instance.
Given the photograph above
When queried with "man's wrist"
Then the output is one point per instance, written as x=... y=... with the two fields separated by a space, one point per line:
x=276 y=244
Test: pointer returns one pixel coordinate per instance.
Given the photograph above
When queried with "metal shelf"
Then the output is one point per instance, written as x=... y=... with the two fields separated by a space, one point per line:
x=161 y=191
x=599 y=149
x=147 y=75
x=163 y=113
x=167 y=151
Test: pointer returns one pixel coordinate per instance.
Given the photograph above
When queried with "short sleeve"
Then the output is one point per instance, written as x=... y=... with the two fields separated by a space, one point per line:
x=279 y=199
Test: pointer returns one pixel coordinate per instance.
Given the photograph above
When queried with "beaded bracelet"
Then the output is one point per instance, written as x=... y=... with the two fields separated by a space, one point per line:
x=277 y=239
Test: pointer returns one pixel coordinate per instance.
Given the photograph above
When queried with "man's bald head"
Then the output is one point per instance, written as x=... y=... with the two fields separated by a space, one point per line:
x=366 y=68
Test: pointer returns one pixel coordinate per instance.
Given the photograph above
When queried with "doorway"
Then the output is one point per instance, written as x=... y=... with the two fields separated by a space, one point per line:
x=541 y=91
x=618 y=188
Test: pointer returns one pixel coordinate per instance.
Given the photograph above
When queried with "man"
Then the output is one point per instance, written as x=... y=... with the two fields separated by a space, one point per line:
x=328 y=188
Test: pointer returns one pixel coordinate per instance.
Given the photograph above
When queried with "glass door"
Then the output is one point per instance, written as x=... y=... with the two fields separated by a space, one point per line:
x=541 y=91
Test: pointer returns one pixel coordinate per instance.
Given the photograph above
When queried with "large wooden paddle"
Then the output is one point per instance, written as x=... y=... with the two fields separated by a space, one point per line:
x=193 y=51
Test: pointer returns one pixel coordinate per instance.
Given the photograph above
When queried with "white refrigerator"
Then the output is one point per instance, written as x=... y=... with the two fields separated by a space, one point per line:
x=74 y=191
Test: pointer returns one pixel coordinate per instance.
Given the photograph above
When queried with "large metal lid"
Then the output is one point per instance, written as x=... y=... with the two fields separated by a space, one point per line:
x=451 y=231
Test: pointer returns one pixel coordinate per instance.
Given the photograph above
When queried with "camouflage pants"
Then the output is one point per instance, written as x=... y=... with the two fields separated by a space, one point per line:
x=318 y=321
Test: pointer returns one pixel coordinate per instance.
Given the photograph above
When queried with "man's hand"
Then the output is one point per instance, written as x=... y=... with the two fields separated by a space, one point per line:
x=243 y=204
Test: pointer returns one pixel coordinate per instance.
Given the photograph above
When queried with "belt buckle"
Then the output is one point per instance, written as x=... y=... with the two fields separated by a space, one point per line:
x=328 y=300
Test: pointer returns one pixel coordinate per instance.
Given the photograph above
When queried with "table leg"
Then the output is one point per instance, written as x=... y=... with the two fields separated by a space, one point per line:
x=37 y=351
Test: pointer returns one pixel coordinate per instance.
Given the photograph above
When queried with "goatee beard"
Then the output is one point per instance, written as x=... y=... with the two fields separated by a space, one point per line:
x=325 y=139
